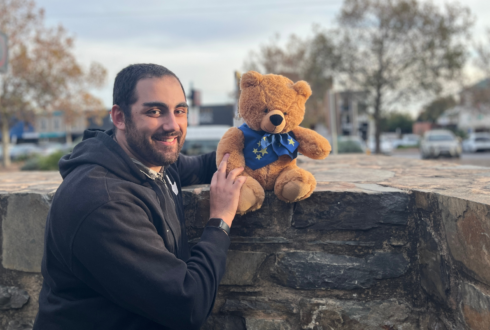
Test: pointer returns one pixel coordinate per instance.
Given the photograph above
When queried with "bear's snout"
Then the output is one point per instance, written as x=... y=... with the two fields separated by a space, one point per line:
x=276 y=120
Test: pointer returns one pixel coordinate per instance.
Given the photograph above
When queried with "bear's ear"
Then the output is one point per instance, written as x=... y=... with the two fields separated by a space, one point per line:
x=250 y=79
x=302 y=88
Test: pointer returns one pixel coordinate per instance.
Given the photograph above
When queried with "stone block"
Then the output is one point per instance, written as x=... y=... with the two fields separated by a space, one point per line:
x=20 y=325
x=266 y=324
x=476 y=307
x=272 y=219
x=23 y=231
x=351 y=211
x=12 y=297
x=320 y=314
x=467 y=227
x=320 y=270
x=263 y=305
x=224 y=322
x=242 y=267
x=434 y=272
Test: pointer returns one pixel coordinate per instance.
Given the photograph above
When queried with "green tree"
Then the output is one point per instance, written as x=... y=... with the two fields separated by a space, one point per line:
x=401 y=50
x=434 y=109
x=397 y=120
x=44 y=74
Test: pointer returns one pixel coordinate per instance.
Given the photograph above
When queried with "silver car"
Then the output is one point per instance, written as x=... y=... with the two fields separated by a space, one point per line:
x=440 y=142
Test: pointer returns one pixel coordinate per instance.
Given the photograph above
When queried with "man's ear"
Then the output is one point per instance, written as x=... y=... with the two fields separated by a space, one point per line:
x=117 y=116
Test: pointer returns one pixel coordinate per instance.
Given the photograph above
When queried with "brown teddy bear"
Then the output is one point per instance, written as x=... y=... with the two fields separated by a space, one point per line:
x=272 y=107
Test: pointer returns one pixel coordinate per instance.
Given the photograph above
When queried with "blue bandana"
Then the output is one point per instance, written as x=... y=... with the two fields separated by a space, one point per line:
x=263 y=148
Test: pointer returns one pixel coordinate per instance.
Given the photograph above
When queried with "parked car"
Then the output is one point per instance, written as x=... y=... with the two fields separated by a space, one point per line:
x=385 y=145
x=24 y=150
x=408 y=140
x=437 y=143
x=203 y=139
x=477 y=142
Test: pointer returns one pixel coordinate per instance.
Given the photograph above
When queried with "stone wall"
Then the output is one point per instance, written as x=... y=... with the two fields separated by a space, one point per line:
x=383 y=243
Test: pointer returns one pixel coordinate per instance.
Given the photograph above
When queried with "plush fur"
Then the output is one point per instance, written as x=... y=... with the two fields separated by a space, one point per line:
x=261 y=97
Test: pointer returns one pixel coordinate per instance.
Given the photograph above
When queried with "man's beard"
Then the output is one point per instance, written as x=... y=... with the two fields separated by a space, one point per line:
x=146 y=148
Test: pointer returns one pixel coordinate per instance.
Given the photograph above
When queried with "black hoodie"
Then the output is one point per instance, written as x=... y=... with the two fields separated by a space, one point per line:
x=115 y=257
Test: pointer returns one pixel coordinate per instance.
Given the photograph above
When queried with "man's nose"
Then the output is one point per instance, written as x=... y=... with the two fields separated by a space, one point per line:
x=170 y=123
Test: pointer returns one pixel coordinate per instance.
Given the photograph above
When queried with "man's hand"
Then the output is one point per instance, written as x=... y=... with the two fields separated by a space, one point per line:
x=225 y=192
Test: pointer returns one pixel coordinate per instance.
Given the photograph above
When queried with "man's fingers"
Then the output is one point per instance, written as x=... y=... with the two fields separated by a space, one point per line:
x=222 y=167
x=214 y=179
x=233 y=174
x=240 y=181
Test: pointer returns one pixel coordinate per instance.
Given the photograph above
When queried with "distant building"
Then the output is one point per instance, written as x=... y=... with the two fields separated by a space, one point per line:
x=420 y=128
x=473 y=112
x=216 y=114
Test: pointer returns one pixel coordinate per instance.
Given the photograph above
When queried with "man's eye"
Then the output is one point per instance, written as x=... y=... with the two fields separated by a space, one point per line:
x=154 y=112
x=181 y=111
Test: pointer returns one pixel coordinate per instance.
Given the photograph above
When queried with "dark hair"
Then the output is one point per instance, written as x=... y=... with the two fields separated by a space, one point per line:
x=124 y=94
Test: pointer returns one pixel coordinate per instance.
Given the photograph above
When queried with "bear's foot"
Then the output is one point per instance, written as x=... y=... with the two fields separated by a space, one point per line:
x=295 y=191
x=251 y=196
x=294 y=184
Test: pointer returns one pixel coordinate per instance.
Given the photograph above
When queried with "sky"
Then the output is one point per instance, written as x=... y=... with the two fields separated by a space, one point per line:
x=202 y=42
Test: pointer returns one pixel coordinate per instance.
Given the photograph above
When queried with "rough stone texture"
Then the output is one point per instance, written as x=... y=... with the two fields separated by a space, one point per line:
x=266 y=324
x=476 y=307
x=224 y=322
x=260 y=305
x=320 y=314
x=242 y=267
x=319 y=270
x=413 y=234
x=23 y=231
x=20 y=325
x=467 y=227
x=333 y=211
x=12 y=297
x=434 y=272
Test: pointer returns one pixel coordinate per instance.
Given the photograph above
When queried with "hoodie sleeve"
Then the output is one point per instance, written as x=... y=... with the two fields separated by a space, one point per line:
x=196 y=169
x=118 y=253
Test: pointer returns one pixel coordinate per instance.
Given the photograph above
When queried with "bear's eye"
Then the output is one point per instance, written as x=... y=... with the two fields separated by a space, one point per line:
x=266 y=110
x=285 y=113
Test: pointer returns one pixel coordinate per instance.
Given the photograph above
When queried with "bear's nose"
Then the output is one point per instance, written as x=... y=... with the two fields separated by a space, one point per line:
x=276 y=119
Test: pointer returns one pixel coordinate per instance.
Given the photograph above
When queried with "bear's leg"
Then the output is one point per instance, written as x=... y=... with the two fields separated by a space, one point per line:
x=294 y=184
x=251 y=196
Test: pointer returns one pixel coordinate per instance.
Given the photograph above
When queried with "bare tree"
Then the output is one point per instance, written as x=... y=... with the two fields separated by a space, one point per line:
x=44 y=74
x=312 y=59
x=401 y=50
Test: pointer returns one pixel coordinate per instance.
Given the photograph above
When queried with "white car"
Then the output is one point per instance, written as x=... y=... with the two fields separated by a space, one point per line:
x=477 y=142
x=440 y=142
x=408 y=140
x=203 y=139
x=385 y=145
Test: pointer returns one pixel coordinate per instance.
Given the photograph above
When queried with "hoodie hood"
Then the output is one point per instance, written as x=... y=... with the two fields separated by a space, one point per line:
x=99 y=148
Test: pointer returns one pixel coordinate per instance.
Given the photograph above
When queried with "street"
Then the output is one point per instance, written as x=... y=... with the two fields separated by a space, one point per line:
x=477 y=159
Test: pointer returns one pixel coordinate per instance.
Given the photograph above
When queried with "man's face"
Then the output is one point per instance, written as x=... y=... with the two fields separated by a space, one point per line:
x=158 y=124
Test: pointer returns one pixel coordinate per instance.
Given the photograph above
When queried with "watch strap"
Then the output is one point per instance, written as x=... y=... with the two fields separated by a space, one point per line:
x=218 y=222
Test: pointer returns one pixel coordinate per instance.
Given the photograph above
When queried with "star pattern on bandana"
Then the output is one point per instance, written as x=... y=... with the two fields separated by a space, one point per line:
x=260 y=153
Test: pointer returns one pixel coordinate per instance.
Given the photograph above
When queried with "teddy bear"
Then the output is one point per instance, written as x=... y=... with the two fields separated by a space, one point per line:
x=267 y=144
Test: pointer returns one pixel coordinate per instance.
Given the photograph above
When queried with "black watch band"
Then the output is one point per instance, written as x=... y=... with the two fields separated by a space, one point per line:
x=217 y=222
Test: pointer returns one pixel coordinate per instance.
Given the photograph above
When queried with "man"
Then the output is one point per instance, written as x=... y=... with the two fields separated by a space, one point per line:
x=116 y=254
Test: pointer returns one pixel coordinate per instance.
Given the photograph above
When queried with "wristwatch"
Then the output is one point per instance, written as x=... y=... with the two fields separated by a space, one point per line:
x=217 y=222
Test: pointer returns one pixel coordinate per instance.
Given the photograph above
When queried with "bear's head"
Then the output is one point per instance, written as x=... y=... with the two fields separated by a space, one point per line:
x=272 y=103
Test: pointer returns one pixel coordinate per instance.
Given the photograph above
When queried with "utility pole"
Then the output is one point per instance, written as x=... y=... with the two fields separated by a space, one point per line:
x=331 y=108
x=5 y=125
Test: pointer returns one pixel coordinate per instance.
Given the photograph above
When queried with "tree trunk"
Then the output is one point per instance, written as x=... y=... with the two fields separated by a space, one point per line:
x=5 y=143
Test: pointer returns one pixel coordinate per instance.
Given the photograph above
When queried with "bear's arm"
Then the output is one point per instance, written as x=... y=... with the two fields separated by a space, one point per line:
x=311 y=144
x=232 y=142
